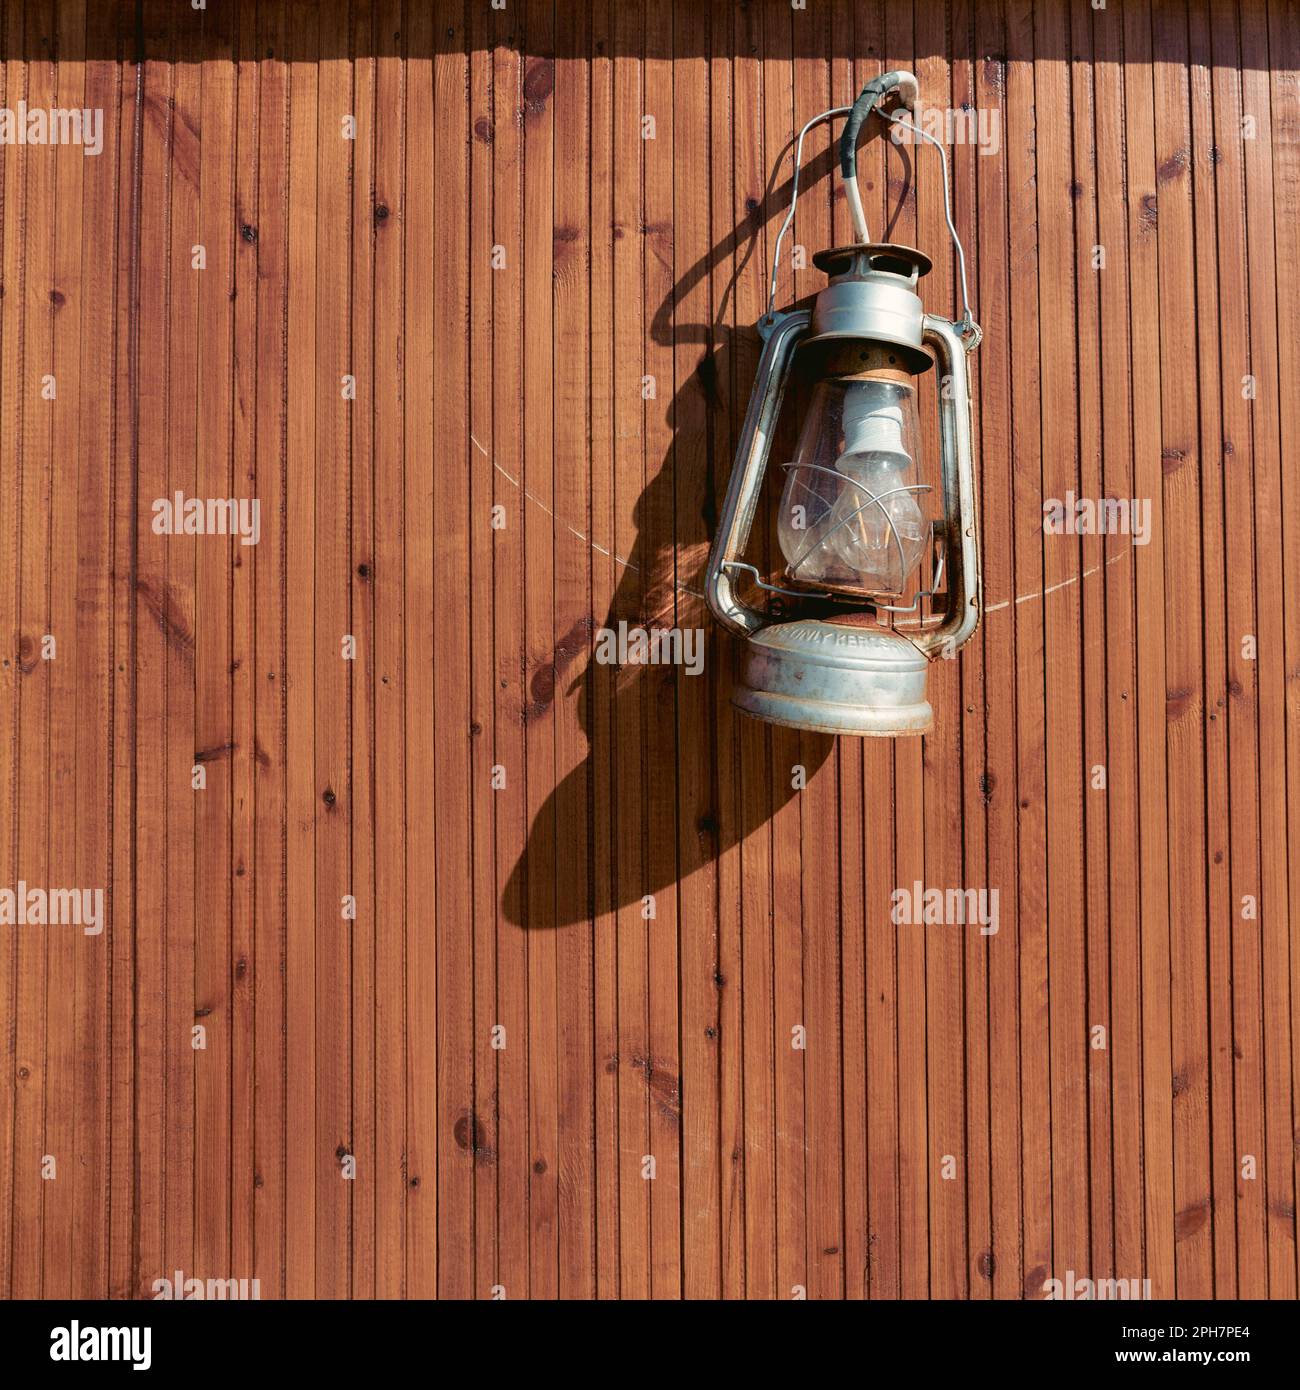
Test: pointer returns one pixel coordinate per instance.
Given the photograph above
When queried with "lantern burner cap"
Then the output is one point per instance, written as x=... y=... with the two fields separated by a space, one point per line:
x=872 y=296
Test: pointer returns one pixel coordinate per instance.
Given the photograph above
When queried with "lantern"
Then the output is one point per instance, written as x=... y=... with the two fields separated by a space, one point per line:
x=860 y=515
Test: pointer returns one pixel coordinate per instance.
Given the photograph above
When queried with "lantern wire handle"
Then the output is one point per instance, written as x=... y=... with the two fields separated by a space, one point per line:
x=794 y=198
x=966 y=325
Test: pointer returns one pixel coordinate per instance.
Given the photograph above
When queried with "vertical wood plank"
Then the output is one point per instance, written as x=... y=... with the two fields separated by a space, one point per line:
x=483 y=1118
x=387 y=581
x=510 y=802
x=34 y=428
x=539 y=619
x=600 y=688
x=659 y=1067
x=1124 y=1038
x=361 y=564
x=751 y=214
x=164 y=649
x=1214 y=726
x=451 y=636
x=1239 y=693
x=632 y=886
x=213 y=731
x=122 y=1002
x=301 y=1165
x=179 y=736
x=341 y=391
x=96 y=343
x=1157 y=1066
x=268 y=751
x=1284 y=58
x=243 y=485
x=1023 y=346
x=1004 y=1268
x=1275 y=927
x=1068 y=780
x=697 y=812
x=572 y=619
x=422 y=1194
x=947 y=1158
x=66 y=1063
x=1095 y=904
x=12 y=401
x=1180 y=507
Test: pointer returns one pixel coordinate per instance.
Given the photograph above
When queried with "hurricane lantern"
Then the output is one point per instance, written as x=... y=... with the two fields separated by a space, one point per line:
x=858 y=519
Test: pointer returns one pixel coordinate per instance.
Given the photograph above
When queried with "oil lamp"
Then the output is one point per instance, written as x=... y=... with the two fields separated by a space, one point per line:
x=858 y=519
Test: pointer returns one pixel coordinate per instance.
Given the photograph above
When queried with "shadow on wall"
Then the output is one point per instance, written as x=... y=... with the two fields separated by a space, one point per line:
x=669 y=813
x=307 y=30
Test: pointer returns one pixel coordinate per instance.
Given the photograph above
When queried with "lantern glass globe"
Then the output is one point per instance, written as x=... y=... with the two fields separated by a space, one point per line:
x=853 y=515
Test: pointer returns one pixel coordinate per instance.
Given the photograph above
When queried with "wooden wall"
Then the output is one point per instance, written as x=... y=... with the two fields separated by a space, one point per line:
x=544 y=311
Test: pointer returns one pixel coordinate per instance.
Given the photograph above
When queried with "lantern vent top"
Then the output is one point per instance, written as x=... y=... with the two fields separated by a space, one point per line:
x=872 y=297
x=859 y=261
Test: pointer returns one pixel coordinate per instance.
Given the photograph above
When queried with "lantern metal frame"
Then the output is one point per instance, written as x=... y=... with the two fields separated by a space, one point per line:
x=846 y=673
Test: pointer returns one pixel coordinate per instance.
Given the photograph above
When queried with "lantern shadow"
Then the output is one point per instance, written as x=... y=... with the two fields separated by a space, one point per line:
x=673 y=778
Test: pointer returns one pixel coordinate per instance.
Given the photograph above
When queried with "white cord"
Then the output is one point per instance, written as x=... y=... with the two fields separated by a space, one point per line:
x=794 y=198
x=858 y=216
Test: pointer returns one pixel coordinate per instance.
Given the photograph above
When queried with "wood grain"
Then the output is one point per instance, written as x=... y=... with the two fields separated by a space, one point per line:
x=444 y=960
